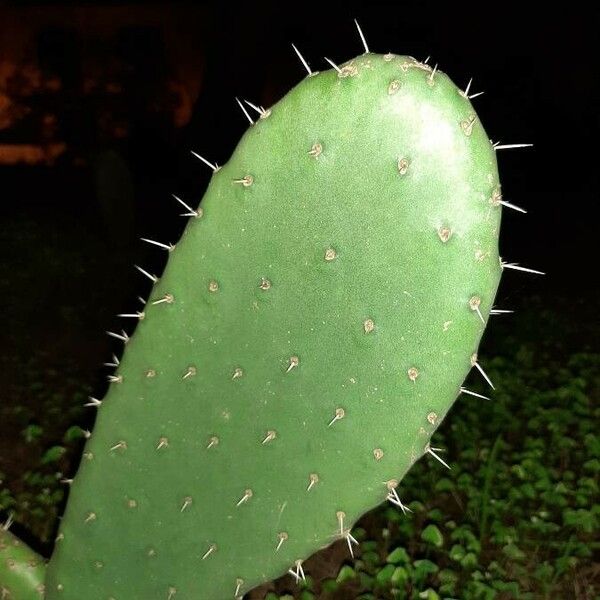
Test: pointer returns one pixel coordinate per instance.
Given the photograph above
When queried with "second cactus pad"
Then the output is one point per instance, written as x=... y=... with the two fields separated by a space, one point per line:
x=311 y=330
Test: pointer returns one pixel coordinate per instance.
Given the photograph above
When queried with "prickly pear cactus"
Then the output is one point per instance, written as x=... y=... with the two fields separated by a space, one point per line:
x=311 y=330
x=22 y=574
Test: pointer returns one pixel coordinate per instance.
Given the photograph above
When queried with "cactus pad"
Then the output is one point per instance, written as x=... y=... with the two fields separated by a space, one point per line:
x=311 y=330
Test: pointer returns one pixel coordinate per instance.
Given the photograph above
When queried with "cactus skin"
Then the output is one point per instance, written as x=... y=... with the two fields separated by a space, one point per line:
x=358 y=245
x=22 y=571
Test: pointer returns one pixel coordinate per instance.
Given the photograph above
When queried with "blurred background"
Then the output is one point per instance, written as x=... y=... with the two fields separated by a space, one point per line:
x=100 y=105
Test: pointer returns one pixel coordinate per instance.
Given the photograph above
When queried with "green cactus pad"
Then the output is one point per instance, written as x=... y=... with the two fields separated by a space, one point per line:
x=22 y=571
x=311 y=330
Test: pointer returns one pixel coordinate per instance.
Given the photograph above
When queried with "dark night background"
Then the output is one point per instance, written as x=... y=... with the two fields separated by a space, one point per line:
x=100 y=105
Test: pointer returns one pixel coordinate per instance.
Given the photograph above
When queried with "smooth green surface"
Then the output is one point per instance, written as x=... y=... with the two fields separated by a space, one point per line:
x=142 y=515
x=22 y=571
